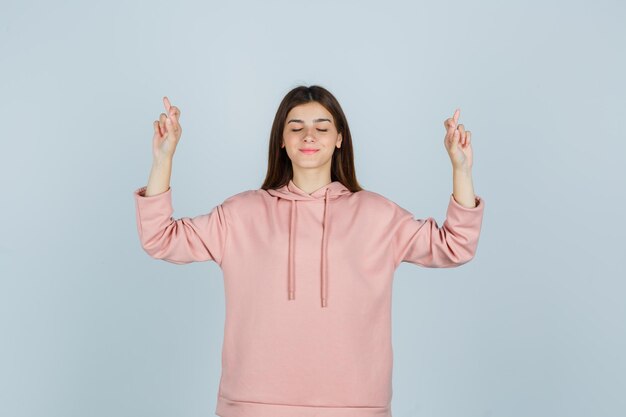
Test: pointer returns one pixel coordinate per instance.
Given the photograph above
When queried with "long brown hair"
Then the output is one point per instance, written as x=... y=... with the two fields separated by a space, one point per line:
x=279 y=169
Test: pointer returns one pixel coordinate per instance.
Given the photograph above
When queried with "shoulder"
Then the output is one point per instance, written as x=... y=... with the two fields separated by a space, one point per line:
x=375 y=199
x=242 y=199
x=247 y=203
x=379 y=205
x=387 y=209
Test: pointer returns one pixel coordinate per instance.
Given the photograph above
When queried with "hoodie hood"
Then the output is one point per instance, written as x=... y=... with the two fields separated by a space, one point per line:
x=327 y=193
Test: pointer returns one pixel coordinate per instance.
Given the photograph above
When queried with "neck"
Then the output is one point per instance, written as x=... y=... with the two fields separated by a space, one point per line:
x=311 y=182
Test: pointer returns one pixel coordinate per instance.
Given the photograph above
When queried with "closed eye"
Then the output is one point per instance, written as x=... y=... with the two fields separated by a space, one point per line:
x=297 y=130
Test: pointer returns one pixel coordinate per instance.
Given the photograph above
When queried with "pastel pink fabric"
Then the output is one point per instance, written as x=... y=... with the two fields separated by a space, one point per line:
x=308 y=284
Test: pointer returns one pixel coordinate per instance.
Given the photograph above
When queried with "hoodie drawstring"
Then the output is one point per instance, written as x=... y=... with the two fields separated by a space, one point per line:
x=291 y=191
x=324 y=251
x=292 y=235
x=324 y=279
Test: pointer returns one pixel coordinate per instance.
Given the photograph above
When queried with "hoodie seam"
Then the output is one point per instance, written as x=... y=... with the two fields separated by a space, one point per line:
x=226 y=235
x=302 y=405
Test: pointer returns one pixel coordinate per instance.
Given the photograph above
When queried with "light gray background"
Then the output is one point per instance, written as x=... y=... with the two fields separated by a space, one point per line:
x=533 y=326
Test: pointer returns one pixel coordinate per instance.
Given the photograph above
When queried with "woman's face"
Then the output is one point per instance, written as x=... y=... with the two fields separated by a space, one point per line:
x=310 y=126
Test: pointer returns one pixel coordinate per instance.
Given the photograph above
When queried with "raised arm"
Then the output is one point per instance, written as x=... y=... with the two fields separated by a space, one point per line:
x=422 y=241
x=182 y=240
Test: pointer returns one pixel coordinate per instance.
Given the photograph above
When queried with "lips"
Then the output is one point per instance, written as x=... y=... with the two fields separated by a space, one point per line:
x=308 y=151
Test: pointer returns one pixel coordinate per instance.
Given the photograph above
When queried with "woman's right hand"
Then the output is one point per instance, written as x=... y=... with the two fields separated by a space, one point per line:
x=167 y=133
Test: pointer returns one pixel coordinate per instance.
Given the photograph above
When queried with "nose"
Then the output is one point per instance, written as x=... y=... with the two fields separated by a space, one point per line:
x=310 y=134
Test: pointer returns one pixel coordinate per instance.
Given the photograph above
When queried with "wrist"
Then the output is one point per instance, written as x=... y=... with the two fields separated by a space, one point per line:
x=462 y=171
x=159 y=162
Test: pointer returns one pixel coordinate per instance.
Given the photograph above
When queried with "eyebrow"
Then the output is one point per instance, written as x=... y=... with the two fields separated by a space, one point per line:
x=314 y=121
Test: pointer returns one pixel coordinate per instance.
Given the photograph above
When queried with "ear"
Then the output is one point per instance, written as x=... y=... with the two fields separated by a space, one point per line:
x=339 y=141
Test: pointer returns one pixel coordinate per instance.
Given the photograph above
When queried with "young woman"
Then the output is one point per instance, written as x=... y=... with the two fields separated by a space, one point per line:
x=308 y=261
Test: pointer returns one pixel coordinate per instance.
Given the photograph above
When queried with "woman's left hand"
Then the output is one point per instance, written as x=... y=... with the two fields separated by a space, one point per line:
x=458 y=143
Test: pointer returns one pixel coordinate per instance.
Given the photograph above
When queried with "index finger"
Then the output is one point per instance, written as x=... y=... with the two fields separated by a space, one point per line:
x=167 y=103
x=456 y=116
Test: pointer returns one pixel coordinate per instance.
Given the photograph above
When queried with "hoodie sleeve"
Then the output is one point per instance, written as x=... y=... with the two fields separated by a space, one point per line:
x=423 y=242
x=183 y=240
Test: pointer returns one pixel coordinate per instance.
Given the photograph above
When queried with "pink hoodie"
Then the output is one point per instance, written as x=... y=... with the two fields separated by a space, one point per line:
x=308 y=283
